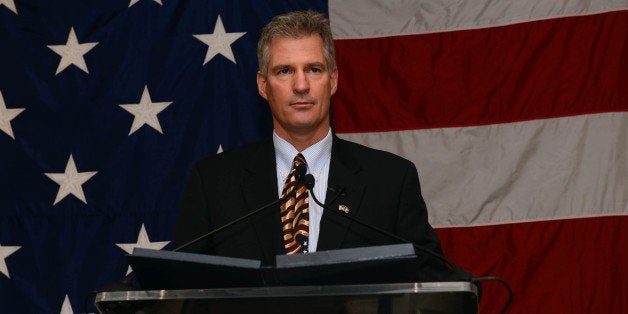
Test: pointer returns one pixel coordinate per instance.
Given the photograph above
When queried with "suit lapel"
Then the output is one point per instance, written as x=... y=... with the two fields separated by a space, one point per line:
x=259 y=187
x=343 y=175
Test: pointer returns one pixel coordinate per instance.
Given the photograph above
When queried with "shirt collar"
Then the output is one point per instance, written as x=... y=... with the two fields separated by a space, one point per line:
x=315 y=155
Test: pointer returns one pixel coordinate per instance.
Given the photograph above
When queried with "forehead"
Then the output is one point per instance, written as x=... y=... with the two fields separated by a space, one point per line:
x=289 y=50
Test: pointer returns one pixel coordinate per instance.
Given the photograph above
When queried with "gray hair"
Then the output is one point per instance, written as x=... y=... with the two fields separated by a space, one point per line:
x=296 y=25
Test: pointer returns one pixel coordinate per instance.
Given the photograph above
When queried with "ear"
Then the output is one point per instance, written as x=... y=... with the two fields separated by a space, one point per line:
x=334 y=80
x=261 y=85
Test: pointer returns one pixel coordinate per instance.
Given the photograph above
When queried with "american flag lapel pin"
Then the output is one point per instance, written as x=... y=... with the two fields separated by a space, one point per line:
x=343 y=208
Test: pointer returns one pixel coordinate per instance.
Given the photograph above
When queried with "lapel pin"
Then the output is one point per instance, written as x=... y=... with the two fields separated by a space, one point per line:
x=343 y=208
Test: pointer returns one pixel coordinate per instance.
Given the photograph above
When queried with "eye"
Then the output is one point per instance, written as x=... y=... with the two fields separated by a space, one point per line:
x=283 y=71
x=315 y=70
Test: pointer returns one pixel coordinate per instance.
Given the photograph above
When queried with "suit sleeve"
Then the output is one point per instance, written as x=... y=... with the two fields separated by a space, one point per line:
x=193 y=216
x=412 y=220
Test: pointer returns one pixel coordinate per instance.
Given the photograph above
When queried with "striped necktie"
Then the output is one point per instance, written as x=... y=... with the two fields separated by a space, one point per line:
x=295 y=212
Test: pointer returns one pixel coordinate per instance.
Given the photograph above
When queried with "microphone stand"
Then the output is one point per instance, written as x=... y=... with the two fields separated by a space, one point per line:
x=300 y=171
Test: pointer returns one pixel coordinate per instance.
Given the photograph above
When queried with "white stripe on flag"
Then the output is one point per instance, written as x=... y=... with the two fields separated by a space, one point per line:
x=369 y=19
x=516 y=172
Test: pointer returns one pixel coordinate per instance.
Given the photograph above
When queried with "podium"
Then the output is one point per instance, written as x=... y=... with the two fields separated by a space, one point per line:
x=417 y=297
x=384 y=279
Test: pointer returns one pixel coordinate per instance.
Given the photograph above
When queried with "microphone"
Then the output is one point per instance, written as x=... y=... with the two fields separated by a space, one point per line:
x=299 y=175
x=457 y=272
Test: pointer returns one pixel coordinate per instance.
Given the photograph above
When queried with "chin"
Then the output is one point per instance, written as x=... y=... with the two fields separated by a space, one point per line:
x=303 y=122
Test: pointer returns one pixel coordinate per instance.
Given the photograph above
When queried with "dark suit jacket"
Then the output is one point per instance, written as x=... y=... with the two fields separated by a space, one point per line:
x=380 y=188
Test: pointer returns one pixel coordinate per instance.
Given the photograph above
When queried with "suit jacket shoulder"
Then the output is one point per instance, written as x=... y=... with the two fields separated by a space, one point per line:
x=367 y=157
x=240 y=158
x=225 y=187
x=379 y=188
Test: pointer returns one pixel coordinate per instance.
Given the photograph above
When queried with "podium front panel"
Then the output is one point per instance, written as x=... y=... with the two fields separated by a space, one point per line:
x=427 y=297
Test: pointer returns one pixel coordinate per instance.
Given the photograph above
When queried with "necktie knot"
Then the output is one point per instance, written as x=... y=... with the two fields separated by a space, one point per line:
x=298 y=160
x=299 y=167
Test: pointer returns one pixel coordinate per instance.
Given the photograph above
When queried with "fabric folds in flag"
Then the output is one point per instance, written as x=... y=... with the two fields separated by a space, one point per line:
x=104 y=107
x=515 y=113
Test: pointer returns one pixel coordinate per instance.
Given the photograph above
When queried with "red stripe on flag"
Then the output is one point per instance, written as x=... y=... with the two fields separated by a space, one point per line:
x=541 y=69
x=564 y=254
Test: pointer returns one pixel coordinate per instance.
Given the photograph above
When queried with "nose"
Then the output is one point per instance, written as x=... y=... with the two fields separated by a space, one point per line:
x=301 y=83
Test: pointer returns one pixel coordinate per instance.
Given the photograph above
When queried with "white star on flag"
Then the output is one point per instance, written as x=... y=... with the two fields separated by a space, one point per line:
x=72 y=53
x=66 y=308
x=5 y=251
x=145 y=112
x=10 y=4
x=219 y=42
x=142 y=242
x=6 y=115
x=71 y=181
x=136 y=1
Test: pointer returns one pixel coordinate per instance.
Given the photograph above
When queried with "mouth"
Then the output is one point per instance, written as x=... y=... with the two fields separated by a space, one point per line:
x=301 y=104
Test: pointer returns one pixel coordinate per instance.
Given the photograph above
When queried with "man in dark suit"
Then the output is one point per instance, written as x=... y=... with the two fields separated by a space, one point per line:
x=297 y=76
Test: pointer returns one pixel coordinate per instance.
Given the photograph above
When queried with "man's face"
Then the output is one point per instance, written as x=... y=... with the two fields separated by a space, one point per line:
x=298 y=86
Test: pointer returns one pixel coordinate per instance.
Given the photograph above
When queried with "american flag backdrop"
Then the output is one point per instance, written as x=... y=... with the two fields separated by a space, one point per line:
x=515 y=113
